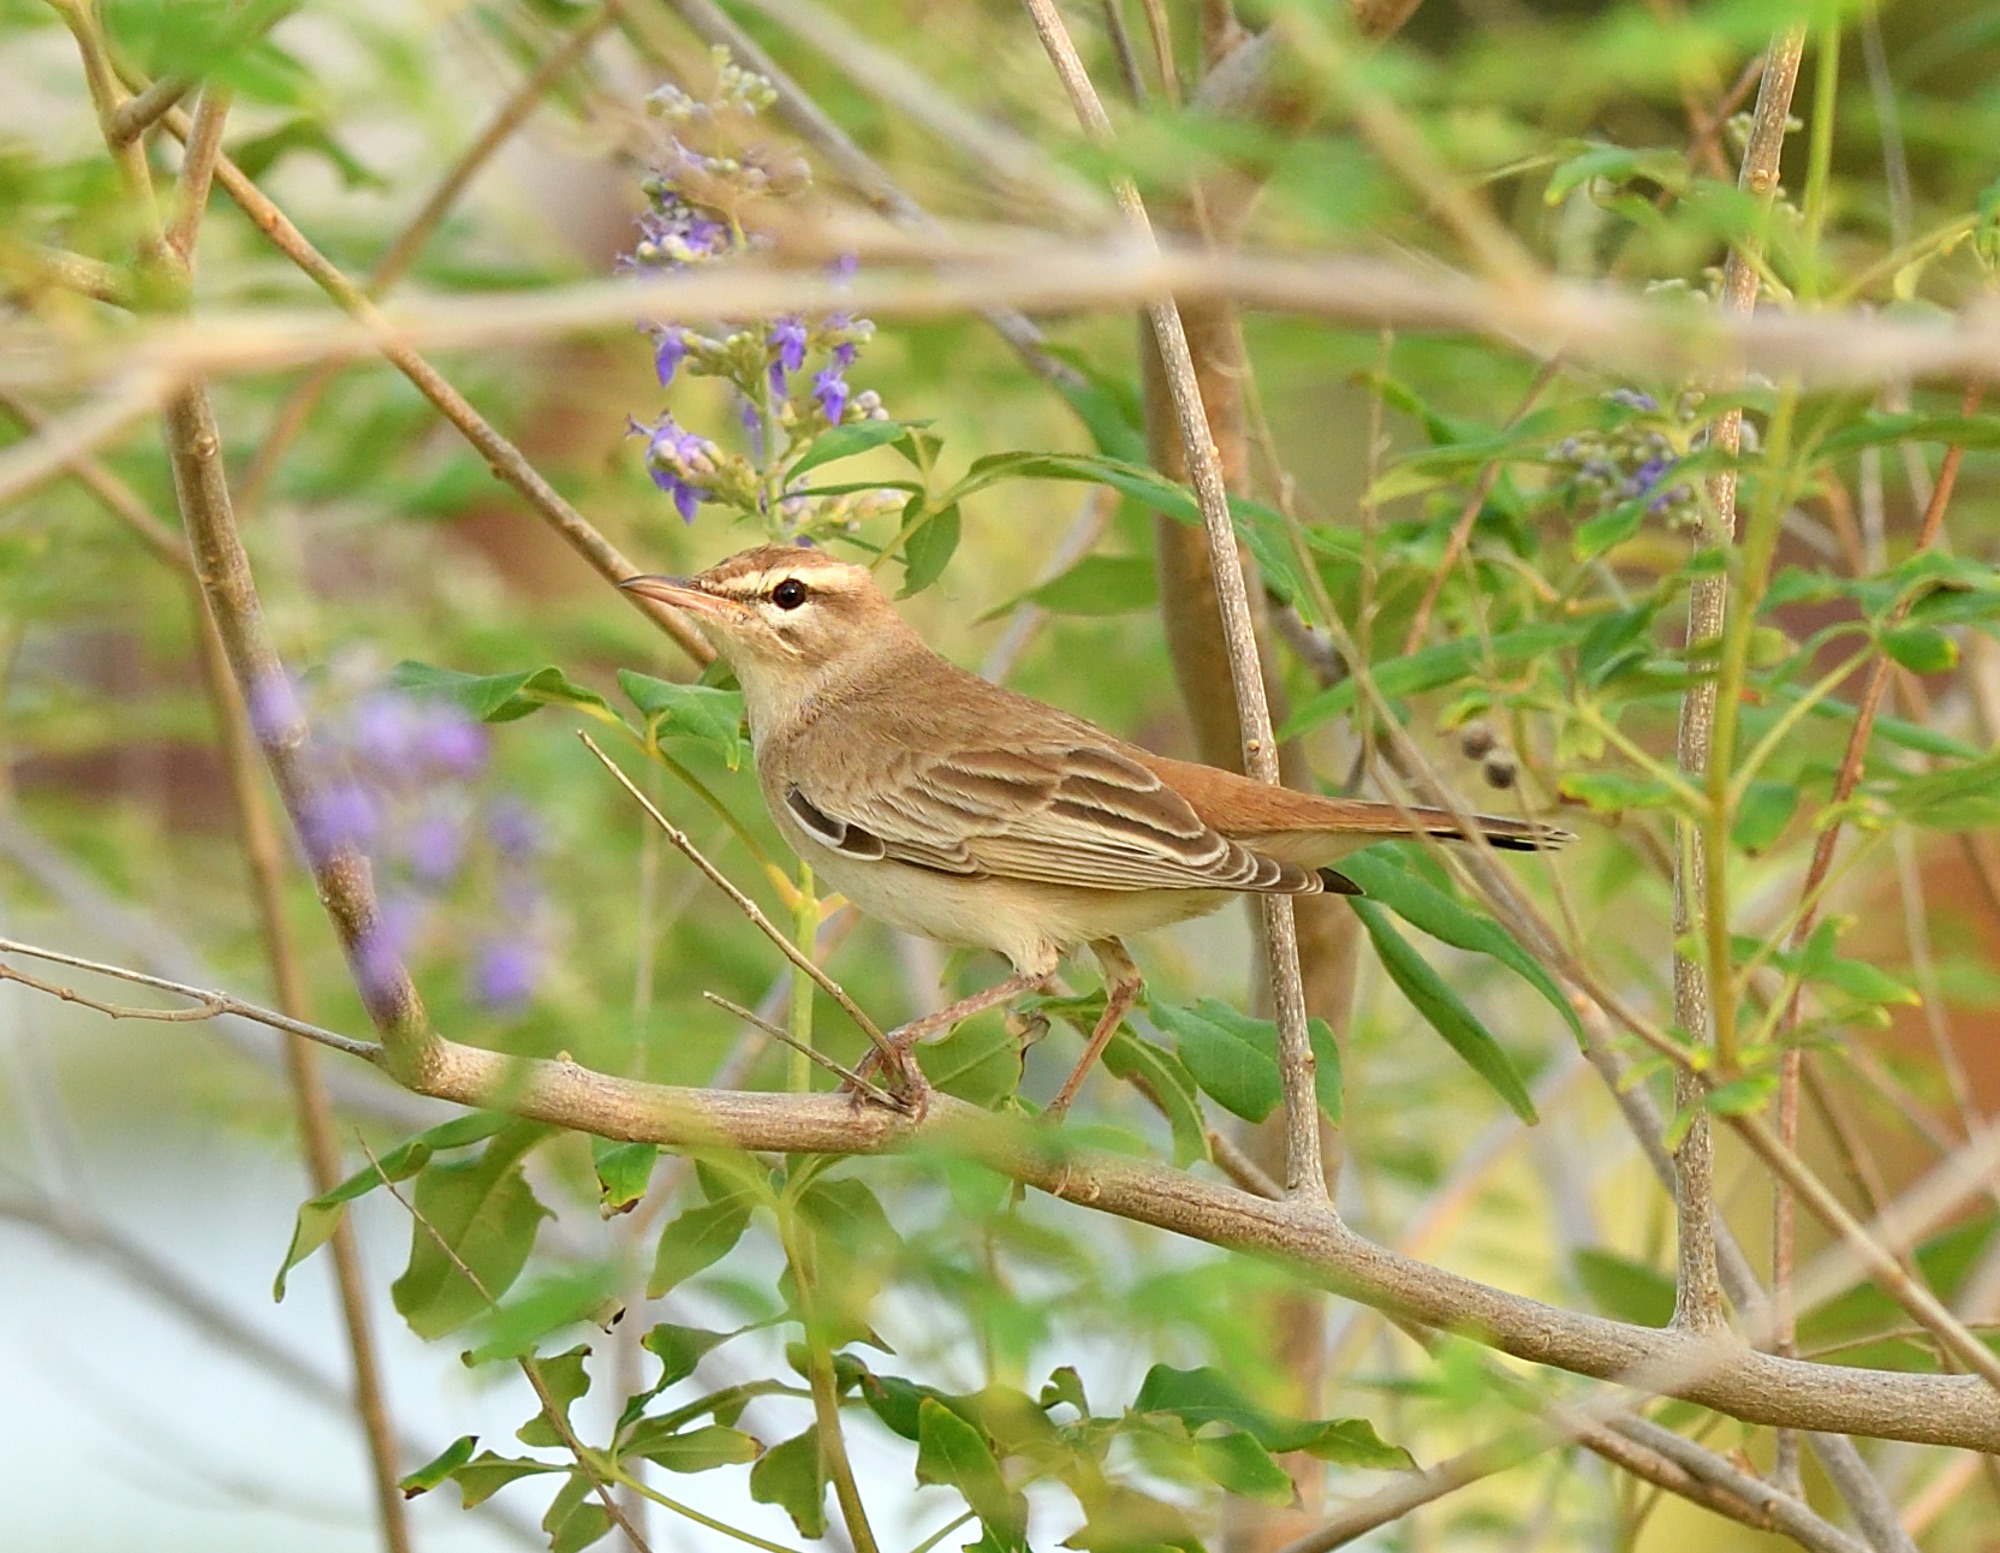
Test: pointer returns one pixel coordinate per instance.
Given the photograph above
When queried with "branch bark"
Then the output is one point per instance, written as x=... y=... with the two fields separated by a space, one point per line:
x=1698 y=1290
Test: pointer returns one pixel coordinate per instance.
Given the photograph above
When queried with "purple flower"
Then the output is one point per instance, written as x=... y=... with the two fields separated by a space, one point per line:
x=334 y=817
x=382 y=946
x=789 y=341
x=1632 y=399
x=830 y=390
x=450 y=741
x=843 y=354
x=512 y=828
x=435 y=846
x=753 y=429
x=274 y=708
x=506 y=972
x=1647 y=479
x=673 y=457
x=675 y=233
x=384 y=732
x=670 y=349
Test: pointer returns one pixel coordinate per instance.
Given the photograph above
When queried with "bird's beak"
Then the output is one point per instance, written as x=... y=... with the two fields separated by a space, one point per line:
x=680 y=593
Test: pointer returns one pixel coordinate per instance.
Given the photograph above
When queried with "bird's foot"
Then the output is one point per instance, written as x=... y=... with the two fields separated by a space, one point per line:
x=903 y=1080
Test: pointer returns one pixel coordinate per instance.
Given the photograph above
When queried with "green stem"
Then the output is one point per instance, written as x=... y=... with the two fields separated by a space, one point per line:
x=1791 y=717
x=1760 y=548
x=806 y=924
x=826 y=1398
x=749 y=1539
x=1819 y=159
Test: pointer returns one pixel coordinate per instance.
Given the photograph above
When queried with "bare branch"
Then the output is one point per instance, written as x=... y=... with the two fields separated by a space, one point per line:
x=212 y=1003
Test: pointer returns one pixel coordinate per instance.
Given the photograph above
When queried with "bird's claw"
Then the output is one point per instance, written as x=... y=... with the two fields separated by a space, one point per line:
x=907 y=1089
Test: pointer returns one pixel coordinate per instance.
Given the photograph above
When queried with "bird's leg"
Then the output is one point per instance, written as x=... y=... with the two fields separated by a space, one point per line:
x=905 y=1038
x=1122 y=982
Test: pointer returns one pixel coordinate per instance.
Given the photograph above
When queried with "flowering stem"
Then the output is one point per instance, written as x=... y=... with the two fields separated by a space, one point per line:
x=805 y=923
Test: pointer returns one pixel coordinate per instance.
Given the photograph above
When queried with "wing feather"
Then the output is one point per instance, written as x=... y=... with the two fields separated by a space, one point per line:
x=1071 y=813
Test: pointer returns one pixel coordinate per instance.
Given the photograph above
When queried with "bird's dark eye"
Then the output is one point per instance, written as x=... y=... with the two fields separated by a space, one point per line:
x=789 y=594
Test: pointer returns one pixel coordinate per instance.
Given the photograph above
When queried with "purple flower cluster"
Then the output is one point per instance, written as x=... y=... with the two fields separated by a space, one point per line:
x=681 y=464
x=1635 y=458
x=790 y=373
x=407 y=798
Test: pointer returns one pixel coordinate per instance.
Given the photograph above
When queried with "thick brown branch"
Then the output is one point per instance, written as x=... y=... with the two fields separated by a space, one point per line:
x=1715 y=1372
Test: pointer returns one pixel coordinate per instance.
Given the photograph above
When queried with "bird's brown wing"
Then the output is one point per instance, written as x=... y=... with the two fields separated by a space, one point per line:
x=1068 y=812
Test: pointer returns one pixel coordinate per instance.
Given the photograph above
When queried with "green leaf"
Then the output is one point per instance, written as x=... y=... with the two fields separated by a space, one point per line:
x=694 y=1239
x=483 y=1211
x=321 y=1215
x=897 y=1401
x=1204 y=1396
x=1610 y=528
x=576 y=1518
x=1165 y=1079
x=700 y=1449
x=487 y=1473
x=1235 y=1057
x=1617 y=165
x=1977 y=433
x=440 y=1467
x=1964 y=798
x=788 y=1476
x=979 y=1063
x=844 y=441
x=929 y=550
x=952 y=1452
x=704 y=713
x=624 y=1171
x=1624 y=1289
x=500 y=698
x=564 y=1378
x=1384 y=876
x=1444 y=664
x=679 y=1349
x=1613 y=792
x=1109 y=411
x=1096 y=585
x=1442 y=1009
x=304 y=135
x=562 y=1299
x=1742 y=1096
x=1238 y=1464
x=1763 y=814
x=1921 y=649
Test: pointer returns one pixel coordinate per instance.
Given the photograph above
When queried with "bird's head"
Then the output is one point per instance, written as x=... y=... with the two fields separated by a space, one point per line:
x=787 y=619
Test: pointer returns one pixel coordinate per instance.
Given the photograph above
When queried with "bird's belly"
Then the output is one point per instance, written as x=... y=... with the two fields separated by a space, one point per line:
x=1032 y=924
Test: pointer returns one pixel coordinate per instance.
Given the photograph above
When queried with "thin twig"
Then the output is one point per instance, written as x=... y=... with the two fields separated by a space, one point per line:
x=213 y=1003
x=777 y=1032
x=791 y=951
x=1305 y=1174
